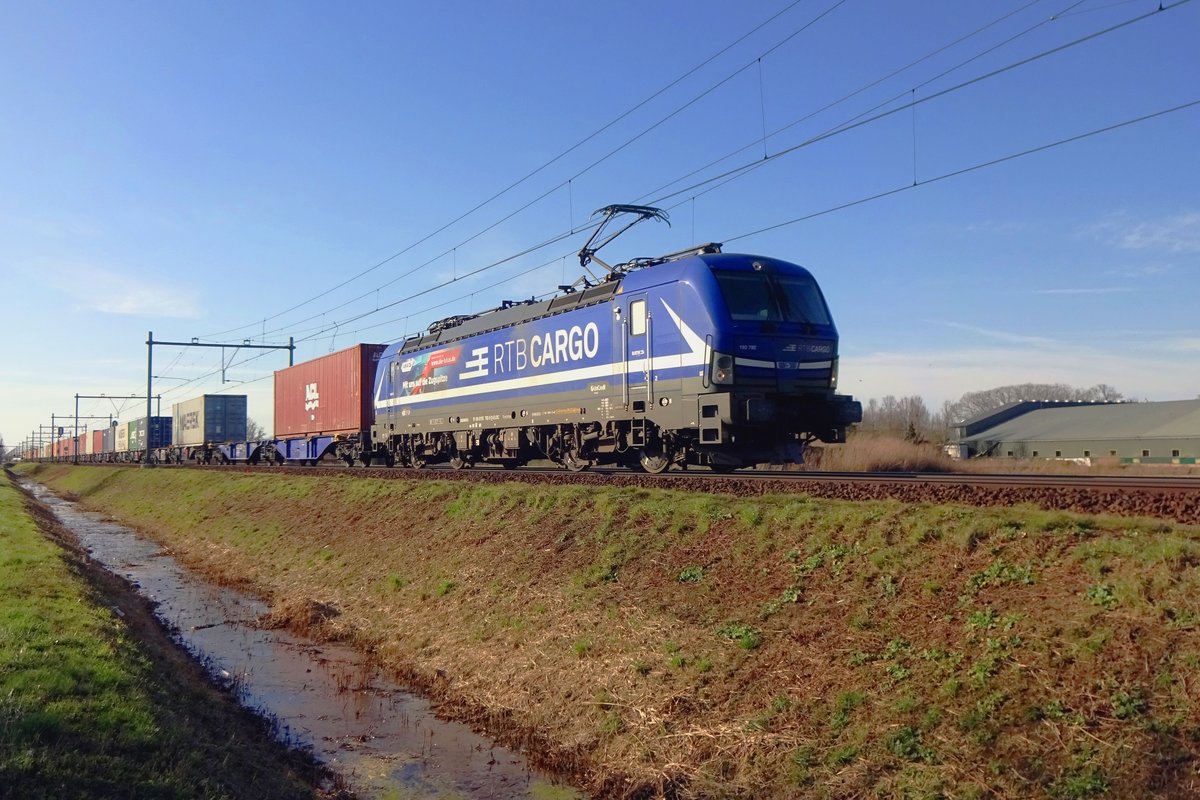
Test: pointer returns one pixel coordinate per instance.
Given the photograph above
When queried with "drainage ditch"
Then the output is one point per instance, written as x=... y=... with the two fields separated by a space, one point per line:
x=325 y=698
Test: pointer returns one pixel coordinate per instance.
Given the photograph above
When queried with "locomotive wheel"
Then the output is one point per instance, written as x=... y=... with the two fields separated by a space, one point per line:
x=654 y=462
x=574 y=462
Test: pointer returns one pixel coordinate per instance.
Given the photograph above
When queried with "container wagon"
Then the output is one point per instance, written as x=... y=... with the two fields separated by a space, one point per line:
x=204 y=425
x=324 y=408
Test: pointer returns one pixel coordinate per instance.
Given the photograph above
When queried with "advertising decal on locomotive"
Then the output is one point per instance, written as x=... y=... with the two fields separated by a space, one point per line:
x=530 y=357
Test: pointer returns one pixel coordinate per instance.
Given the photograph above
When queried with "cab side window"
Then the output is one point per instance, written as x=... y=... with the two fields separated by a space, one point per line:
x=637 y=318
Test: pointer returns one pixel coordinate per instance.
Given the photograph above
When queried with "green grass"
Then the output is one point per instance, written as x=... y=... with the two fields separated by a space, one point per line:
x=82 y=710
x=927 y=650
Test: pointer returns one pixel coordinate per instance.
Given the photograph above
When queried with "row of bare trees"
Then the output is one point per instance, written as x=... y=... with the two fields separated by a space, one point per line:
x=910 y=418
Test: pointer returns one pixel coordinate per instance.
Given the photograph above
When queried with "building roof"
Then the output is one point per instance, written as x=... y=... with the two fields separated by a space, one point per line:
x=1174 y=419
x=966 y=429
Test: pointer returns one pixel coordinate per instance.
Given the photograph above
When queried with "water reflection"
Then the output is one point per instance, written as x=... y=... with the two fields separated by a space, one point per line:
x=323 y=697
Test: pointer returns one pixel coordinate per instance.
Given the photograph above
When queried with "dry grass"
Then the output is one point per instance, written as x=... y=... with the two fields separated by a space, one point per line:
x=677 y=645
x=881 y=453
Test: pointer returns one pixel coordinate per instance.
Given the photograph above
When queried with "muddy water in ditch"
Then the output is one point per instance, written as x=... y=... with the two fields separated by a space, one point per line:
x=383 y=740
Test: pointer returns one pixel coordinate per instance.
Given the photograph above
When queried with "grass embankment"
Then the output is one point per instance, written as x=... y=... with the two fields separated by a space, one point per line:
x=710 y=646
x=86 y=713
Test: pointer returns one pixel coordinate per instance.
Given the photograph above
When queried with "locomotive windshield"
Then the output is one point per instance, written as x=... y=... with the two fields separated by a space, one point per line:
x=772 y=297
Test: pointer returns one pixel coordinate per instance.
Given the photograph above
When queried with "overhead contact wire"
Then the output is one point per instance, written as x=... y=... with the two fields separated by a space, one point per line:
x=973 y=168
x=921 y=101
x=734 y=173
x=529 y=175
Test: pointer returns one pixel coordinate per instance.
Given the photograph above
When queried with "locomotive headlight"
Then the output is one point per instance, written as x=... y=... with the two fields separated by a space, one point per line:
x=722 y=368
x=833 y=375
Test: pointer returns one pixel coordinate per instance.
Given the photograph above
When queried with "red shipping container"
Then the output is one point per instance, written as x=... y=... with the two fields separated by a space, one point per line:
x=329 y=395
x=97 y=441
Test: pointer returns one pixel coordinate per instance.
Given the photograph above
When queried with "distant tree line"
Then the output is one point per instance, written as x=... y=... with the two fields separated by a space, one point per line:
x=910 y=418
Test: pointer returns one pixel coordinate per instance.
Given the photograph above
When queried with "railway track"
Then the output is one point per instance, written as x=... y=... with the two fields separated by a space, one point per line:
x=1175 y=498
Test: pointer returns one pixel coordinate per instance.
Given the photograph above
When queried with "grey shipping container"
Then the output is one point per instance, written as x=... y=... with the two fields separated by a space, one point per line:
x=210 y=418
x=110 y=438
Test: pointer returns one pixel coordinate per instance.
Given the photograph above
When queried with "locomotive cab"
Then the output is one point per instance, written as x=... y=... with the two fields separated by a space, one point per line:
x=772 y=371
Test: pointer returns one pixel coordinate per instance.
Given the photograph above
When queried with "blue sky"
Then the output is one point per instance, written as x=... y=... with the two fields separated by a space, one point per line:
x=215 y=170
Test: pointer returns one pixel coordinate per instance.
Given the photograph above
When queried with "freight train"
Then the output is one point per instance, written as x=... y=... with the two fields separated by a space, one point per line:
x=694 y=358
x=699 y=357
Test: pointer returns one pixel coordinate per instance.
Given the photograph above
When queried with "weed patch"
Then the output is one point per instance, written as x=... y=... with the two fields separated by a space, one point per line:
x=999 y=573
x=747 y=637
x=767 y=646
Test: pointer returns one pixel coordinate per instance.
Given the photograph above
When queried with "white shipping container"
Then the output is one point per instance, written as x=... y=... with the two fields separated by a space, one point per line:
x=122 y=442
x=86 y=444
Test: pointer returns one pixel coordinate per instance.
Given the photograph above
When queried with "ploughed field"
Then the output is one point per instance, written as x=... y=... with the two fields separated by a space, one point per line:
x=655 y=641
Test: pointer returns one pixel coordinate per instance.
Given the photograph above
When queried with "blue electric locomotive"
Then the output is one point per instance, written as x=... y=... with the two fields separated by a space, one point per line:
x=698 y=357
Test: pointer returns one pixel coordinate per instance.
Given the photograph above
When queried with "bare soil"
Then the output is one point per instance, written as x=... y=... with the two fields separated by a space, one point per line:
x=659 y=643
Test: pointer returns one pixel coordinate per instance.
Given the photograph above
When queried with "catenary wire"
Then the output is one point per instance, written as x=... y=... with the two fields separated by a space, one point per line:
x=731 y=174
x=858 y=123
x=727 y=176
x=566 y=183
x=874 y=83
x=973 y=168
x=534 y=172
x=907 y=187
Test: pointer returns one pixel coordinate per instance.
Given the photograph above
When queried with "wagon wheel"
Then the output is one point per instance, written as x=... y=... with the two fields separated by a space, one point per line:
x=416 y=460
x=575 y=462
x=654 y=461
x=458 y=462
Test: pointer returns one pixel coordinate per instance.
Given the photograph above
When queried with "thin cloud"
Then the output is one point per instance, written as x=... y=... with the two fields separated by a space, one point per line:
x=148 y=301
x=1174 y=234
x=52 y=228
x=107 y=292
x=1086 y=290
x=996 y=226
x=1186 y=345
x=1144 y=271
x=998 y=335
x=947 y=374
